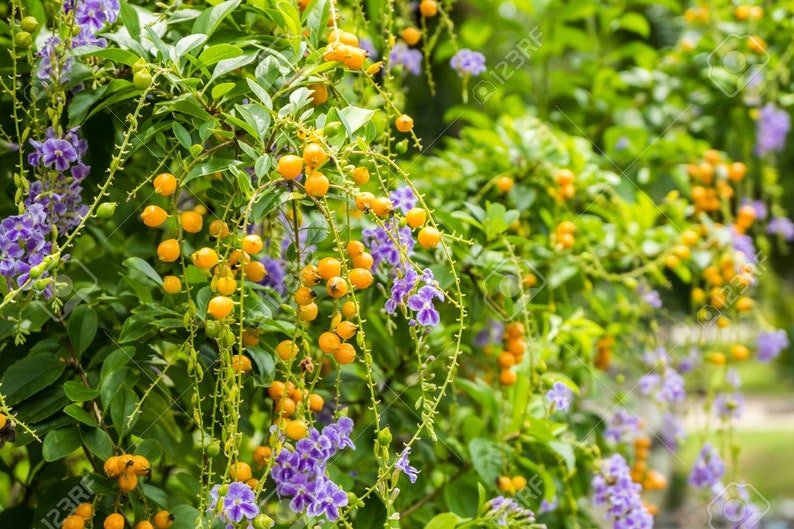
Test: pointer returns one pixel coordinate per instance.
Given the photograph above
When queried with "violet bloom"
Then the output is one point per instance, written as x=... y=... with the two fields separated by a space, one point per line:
x=468 y=63
x=708 y=469
x=781 y=226
x=54 y=66
x=622 y=426
x=422 y=302
x=367 y=45
x=770 y=344
x=491 y=333
x=672 y=433
x=328 y=499
x=507 y=511
x=759 y=207
x=410 y=59
x=238 y=503
x=743 y=244
x=729 y=405
x=546 y=506
x=772 y=128
x=401 y=288
x=387 y=244
x=403 y=199
x=614 y=489
x=404 y=466
x=560 y=396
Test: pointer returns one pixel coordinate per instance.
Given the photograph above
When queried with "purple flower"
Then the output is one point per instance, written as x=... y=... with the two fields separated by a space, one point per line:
x=672 y=432
x=403 y=199
x=622 y=144
x=367 y=45
x=400 y=290
x=732 y=378
x=410 y=59
x=743 y=244
x=560 y=396
x=614 y=489
x=772 y=128
x=276 y=274
x=238 y=502
x=91 y=16
x=422 y=303
x=781 y=226
x=385 y=244
x=546 y=506
x=54 y=65
x=404 y=466
x=729 y=405
x=467 y=62
x=491 y=333
x=708 y=469
x=622 y=426
x=770 y=344
x=759 y=207
x=650 y=296
x=508 y=511
x=327 y=501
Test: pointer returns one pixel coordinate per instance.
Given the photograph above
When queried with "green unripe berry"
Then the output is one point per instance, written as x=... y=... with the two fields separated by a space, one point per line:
x=106 y=210
x=36 y=271
x=142 y=79
x=139 y=66
x=332 y=129
x=214 y=448
x=41 y=284
x=263 y=521
x=401 y=147
x=384 y=437
x=23 y=40
x=29 y=24
x=213 y=329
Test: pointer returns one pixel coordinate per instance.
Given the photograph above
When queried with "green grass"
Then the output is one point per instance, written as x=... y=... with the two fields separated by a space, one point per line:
x=764 y=379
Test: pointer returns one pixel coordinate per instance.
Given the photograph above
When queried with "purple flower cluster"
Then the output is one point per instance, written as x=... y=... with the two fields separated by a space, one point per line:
x=385 y=243
x=614 y=489
x=403 y=199
x=422 y=301
x=468 y=63
x=668 y=386
x=238 y=502
x=301 y=473
x=622 y=426
x=781 y=226
x=404 y=466
x=54 y=66
x=708 y=469
x=770 y=344
x=23 y=243
x=409 y=58
x=507 y=511
x=672 y=432
x=491 y=333
x=560 y=396
x=759 y=207
x=772 y=128
x=91 y=16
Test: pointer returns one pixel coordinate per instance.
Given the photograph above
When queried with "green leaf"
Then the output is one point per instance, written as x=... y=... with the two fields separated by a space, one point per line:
x=77 y=392
x=157 y=495
x=129 y=19
x=187 y=44
x=134 y=328
x=565 y=451
x=633 y=22
x=353 y=118
x=182 y=135
x=210 y=19
x=136 y=263
x=184 y=516
x=97 y=442
x=445 y=520
x=227 y=65
x=30 y=375
x=76 y=412
x=82 y=327
x=114 y=54
x=60 y=443
x=486 y=456
x=217 y=53
x=218 y=91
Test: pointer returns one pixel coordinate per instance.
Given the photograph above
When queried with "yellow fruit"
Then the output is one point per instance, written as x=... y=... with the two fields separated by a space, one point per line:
x=319 y=93
x=114 y=521
x=297 y=430
x=304 y=296
x=290 y=166
x=140 y=466
x=165 y=184
x=241 y=364
x=226 y=286
x=336 y=287
x=316 y=402
x=361 y=278
x=355 y=248
x=85 y=510
x=252 y=244
x=345 y=354
x=314 y=155
x=286 y=350
x=127 y=482
x=416 y=217
x=218 y=229
x=240 y=471
x=154 y=216
x=346 y=330
x=504 y=184
x=365 y=261
x=262 y=455
x=350 y=309
x=219 y=307
x=317 y=185
x=73 y=522
x=411 y=35
x=172 y=284
x=255 y=271
x=308 y=312
x=191 y=221
x=111 y=467
x=360 y=175
x=329 y=342
x=205 y=258
x=429 y=237
x=329 y=267
x=404 y=123
x=428 y=8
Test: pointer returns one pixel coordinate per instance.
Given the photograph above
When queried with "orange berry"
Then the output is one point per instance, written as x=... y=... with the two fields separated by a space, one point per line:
x=756 y=44
x=317 y=185
x=404 y=123
x=290 y=166
x=316 y=402
x=319 y=93
x=241 y=364
x=276 y=390
x=429 y=237
x=564 y=177
x=568 y=192
x=329 y=267
x=689 y=237
x=308 y=312
x=191 y=221
x=519 y=482
x=252 y=244
x=744 y=304
x=124 y=463
x=350 y=309
x=355 y=248
x=144 y=525
x=73 y=522
x=742 y=12
x=219 y=307
x=337 y=35
x=360 y=175
x=163 y=520
x=165 y=184
x=515 y=330
x=712 y=156
x=154 y=216
x=172 y=284
x=382 y=206
x=218 y=229
x=506 y=360
x=364 y=201
x=314 y=155
x=364 y=261
x=127 y=482
x=355 y=58
x=505 y=484
x=672 y=261
x=304 y=296
x=345 y=354
x=716 y=358
x=566 y=240
x=737 y=171
x=566 y=226
x=428 y=8
x=297 y=430
x=507 y=377
x=287 y=350
x=205 y=258
x=85 y=510
x=411 y=35
x=140 y=466
x=285 y=406
x=309 y=276
x=756 y=12
x=255 y=271
x=504 y=184
x=226 y=286
x=516 y=346
x=111 y=467
x=114 y=521
x=262 y=455
x=336 y=287
x=416 y=217
x=329 y=342
x=346 y=330
x=740 y=352
x=361 y=278
x=250 y=337
x=240 y=471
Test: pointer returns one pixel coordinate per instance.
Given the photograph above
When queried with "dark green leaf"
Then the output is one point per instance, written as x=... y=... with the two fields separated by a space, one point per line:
x=30 y=375
x=97 y=442
x=82 y=327
x=76 y=412
x=60 y=443
x=77 y=392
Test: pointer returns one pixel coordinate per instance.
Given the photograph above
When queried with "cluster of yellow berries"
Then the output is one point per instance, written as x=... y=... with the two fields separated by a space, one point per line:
x=126 y=469
x=511 y=485
x=289 y=400
x=603 y=355
x=649 y=479
x=77 y=520
x=711 y=178
x=566 y=189
x=563 y=234
x=513 y=354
